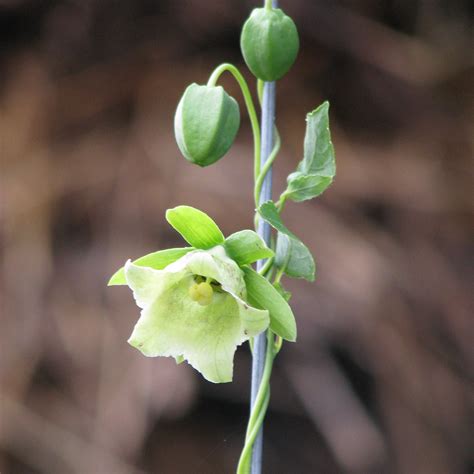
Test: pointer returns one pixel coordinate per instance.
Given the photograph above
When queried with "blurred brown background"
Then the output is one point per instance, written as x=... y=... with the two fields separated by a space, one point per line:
x=380 y=378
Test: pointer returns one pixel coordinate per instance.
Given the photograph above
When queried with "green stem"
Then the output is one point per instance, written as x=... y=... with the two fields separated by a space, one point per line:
x=244 y=461
x=268 y=5
x=259 y=408
x=266 y=167
x=279 y=274
x=262 y=398
x=264 y=270
x=260 y=91
x=267 y=371
x=214 y=77
x=278 y=344
x=281 y=202
x=276 y=148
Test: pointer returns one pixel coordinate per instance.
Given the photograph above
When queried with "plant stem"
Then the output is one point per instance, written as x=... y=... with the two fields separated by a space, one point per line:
x=266 y=167
x=259 y=407
x=214 y=77
x=263 y=346
x=243 y=467
x=264 y=270
x=262 y=359
x=281 y=202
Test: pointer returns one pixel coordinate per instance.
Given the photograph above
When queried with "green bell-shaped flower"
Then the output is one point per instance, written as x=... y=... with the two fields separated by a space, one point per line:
x=206 y=122
x=269 y=43
x=195 y=309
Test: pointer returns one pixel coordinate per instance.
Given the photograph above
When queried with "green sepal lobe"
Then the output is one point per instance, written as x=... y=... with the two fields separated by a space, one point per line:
x=246 y=247
x=195 y=226
x=261 y=294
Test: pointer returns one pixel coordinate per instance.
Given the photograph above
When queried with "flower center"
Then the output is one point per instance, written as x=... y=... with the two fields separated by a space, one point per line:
x=201 y=292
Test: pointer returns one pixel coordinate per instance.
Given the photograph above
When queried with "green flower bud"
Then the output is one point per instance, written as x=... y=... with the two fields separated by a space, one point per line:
x=206 y=122
x=269 y=43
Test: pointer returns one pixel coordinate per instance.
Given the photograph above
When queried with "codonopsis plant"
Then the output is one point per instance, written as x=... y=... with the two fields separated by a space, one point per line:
x=200 y=302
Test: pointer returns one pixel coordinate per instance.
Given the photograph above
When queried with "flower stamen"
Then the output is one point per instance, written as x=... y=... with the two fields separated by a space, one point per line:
x=202 y=292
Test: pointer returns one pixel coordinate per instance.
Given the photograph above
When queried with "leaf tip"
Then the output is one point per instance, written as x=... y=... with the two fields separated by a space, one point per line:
x=169 y=213
x=324 y=107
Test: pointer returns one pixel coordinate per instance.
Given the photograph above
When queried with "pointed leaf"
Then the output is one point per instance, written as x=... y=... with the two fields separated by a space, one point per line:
x=306 y=186
x=294 y=257
x=318 y=167
x=291 y=254
x=157 y=260
x=261 y=294
x=195 y=226
x=247 y=247
x=318 y=148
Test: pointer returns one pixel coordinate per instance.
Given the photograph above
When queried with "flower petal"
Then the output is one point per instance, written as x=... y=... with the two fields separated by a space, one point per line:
x=206 y=336
x=253 y=320
x=147 y=283
x=215 y=264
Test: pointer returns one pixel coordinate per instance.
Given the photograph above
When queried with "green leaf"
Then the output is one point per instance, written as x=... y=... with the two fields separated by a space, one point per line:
x=318 y=148
x=247 y=247
x=195 y=226
x=318 y=167
x=291 y=254
x=294 y=257
x=303 y=187
x=157 y=260
x=261 y=294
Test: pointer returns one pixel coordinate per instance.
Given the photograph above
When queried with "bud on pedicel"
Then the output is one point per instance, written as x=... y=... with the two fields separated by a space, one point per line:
x=206 y=122
x=269 y=43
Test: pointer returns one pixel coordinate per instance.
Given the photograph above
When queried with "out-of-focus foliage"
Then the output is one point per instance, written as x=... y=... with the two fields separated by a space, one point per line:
x=379 y=379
